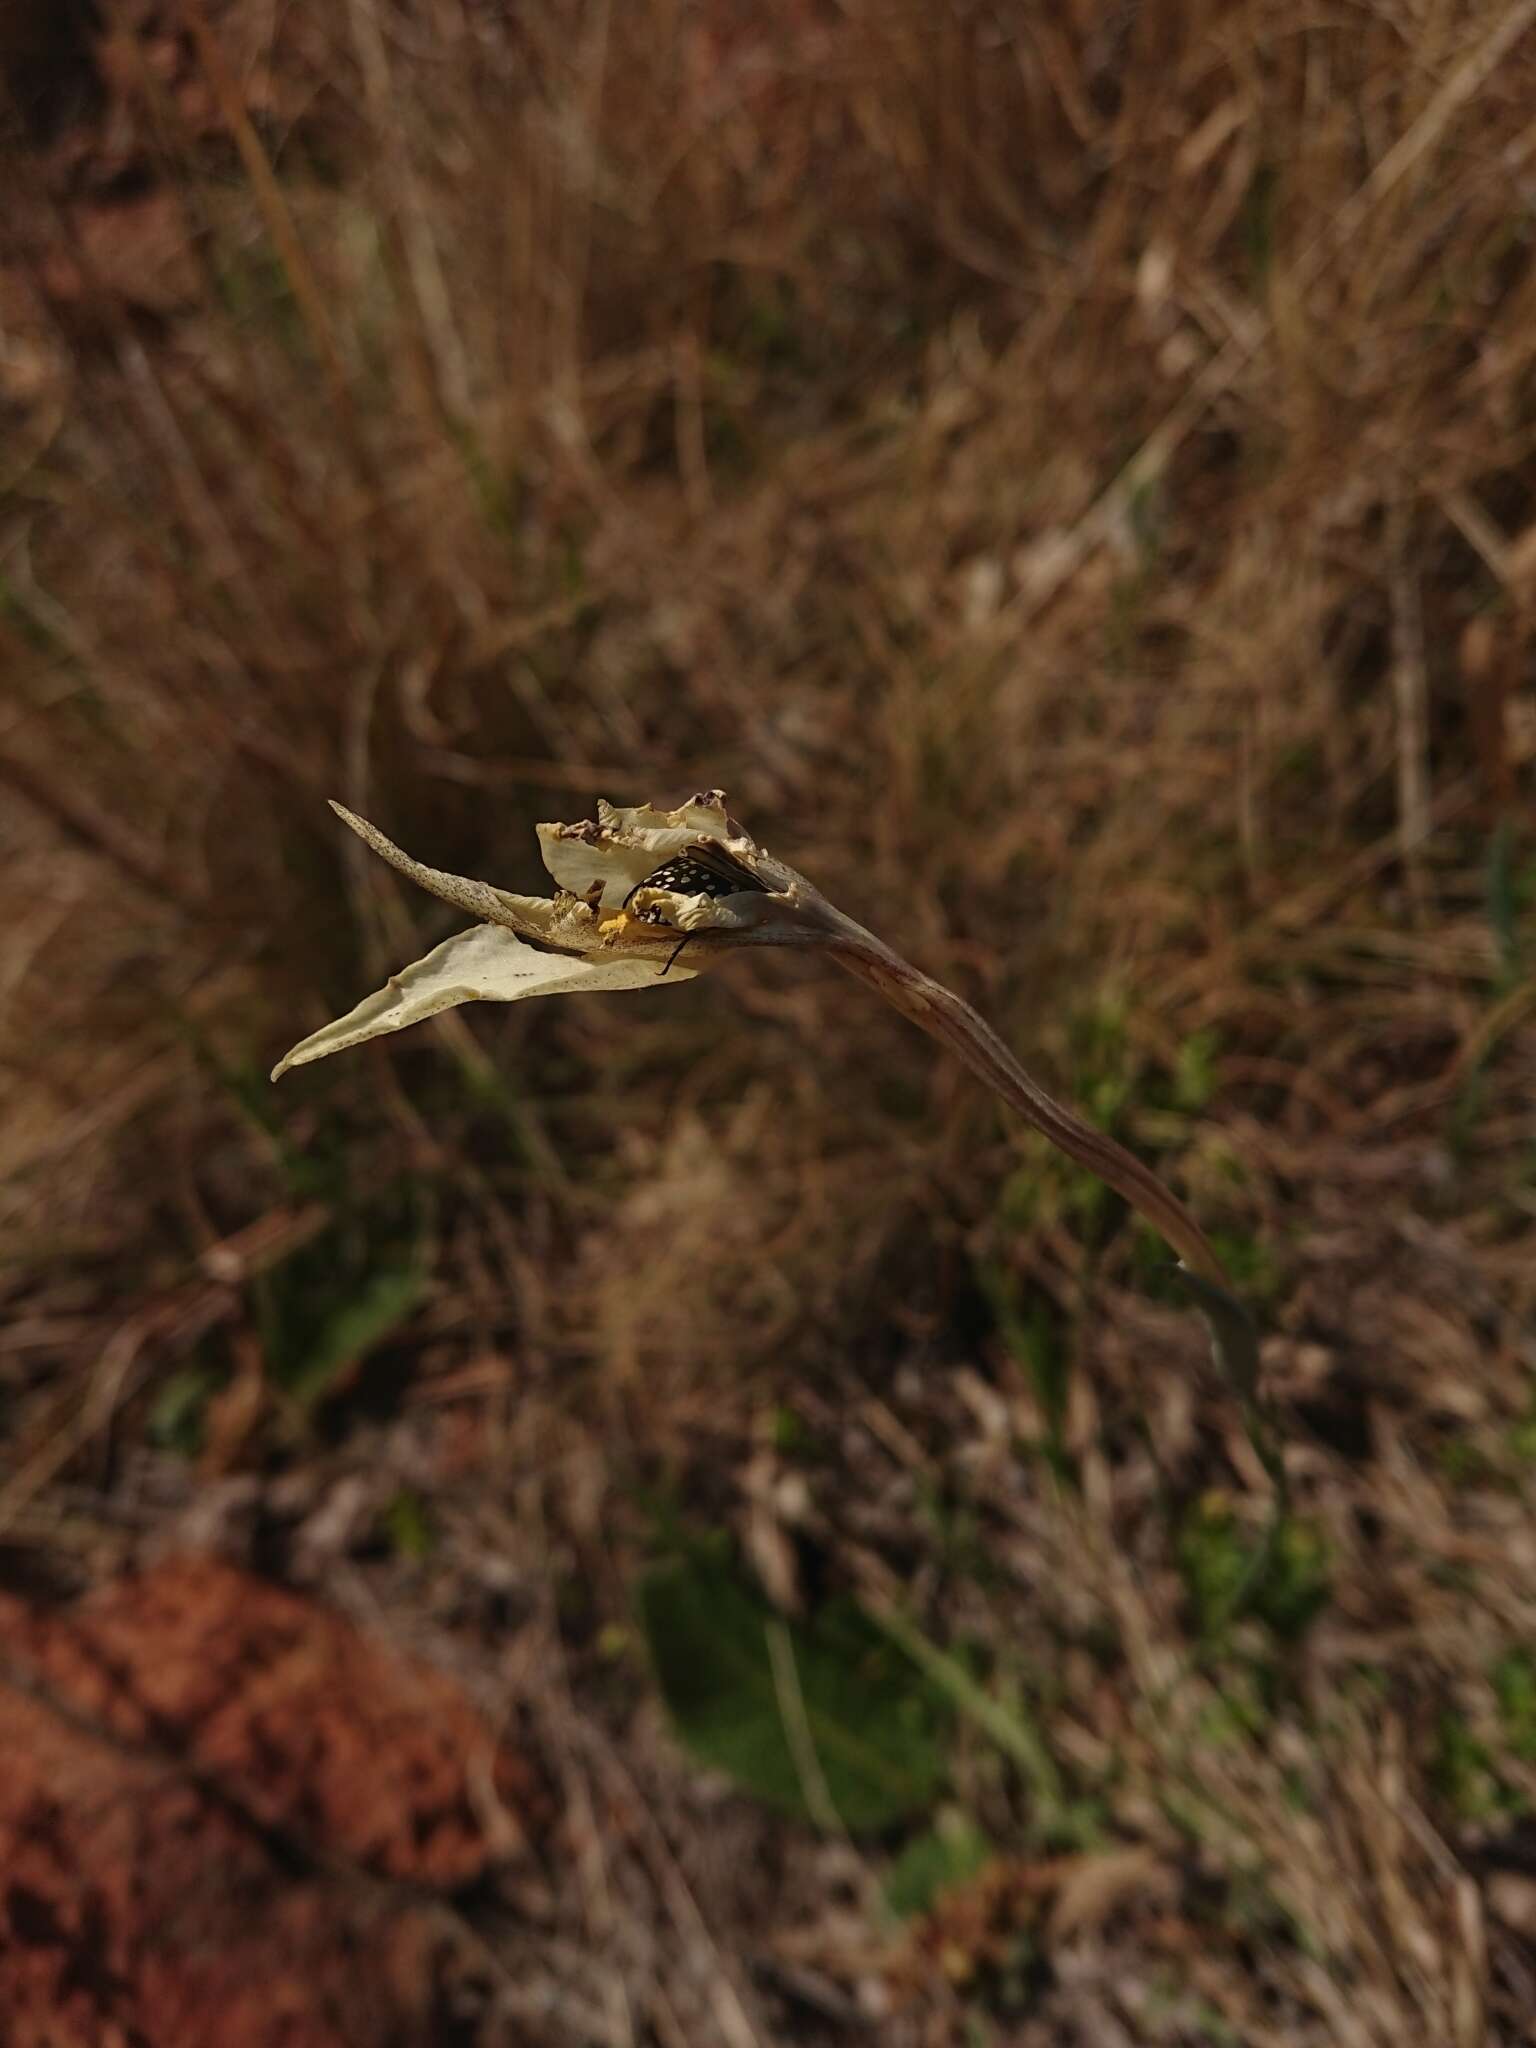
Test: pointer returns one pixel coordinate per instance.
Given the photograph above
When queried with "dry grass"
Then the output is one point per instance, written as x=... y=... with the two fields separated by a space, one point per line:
x=1071 y=476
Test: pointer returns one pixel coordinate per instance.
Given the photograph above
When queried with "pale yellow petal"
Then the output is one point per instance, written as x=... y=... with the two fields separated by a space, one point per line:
x=626 y=845
x=485 y=964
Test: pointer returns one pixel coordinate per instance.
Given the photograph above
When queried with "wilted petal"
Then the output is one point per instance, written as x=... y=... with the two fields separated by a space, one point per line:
x=534 y=917
x=624 y=846
x=485 y=964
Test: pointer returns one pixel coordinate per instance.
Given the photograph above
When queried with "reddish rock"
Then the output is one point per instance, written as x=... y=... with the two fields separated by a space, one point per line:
x=196 y=1752
x=292 y=1711
x=133 y=1909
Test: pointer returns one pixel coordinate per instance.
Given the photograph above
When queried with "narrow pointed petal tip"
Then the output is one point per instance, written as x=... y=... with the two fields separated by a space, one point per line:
x=486 y=964
x=531 y=917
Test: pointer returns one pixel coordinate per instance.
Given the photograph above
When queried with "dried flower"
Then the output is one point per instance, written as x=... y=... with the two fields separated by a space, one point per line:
x=638 y=888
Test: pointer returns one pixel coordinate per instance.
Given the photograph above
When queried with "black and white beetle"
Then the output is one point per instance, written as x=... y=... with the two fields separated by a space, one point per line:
x=703 y=870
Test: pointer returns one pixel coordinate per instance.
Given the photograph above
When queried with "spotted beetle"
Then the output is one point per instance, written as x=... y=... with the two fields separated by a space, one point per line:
x=703 y=870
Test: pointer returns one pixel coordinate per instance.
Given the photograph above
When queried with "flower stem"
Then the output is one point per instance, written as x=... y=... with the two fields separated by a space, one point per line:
x=949 y=1018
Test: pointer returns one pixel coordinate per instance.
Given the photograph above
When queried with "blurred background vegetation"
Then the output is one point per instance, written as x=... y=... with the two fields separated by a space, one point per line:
x=1070 y=474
